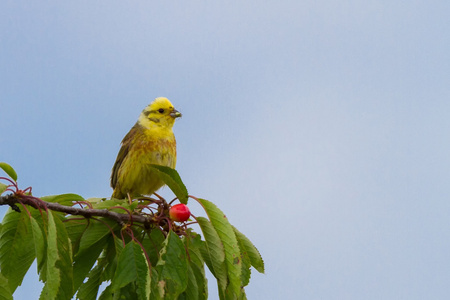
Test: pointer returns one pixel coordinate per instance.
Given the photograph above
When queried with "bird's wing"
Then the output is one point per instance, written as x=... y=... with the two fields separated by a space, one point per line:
x=126 y=145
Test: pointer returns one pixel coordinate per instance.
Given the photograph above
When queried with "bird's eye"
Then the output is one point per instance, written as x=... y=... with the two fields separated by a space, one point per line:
x=161 y=110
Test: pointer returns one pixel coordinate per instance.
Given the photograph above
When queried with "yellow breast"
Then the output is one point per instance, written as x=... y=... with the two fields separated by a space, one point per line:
x=144 y=147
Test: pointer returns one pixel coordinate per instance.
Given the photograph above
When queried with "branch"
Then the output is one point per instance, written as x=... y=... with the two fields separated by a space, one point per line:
x=13 y=199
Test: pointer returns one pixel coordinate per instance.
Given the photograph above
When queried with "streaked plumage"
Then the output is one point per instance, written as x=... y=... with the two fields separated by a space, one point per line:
x=150 y=141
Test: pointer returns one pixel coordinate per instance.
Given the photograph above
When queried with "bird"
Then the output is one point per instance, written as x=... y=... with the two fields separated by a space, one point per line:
x=149 y=141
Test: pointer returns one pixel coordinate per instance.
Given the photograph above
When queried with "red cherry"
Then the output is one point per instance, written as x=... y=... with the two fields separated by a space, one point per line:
x=179 y=212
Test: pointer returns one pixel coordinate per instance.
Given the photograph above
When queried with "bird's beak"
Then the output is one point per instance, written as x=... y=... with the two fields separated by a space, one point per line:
x=175 y=114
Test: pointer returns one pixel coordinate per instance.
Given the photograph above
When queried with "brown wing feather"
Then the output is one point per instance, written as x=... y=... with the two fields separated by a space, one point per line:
x=122 y=154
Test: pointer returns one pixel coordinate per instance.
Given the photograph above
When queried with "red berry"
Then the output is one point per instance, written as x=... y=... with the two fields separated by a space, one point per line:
x=179 y=212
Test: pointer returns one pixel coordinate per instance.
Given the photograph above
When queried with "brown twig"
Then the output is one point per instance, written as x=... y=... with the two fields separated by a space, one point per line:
x=13 y=199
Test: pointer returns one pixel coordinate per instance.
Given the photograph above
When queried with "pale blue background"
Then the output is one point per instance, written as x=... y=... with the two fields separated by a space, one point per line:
x=321 y=128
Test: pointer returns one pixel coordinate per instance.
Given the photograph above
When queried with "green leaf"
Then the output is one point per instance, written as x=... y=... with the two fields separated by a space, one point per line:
x=39 y=243
x=107 y=204
x=3 y=188
x=157 y=291
x=250 y=249
x=132 y=267
x=106 y=294
x=103 y=271
x=153 y=243
x=230 y=244
x=202 y=282
x=194 y=243
x=53 y=282
x=246 y=265
x=127 y=292
x=8 y=170
x=96 y=232
x=85 y=259
x=76 y=227
x=64 y=263
x=5 y=292
x=172 y=179
x=214 y=254
x=59 y=283
x=64 y=199
x=172 y=266
x=93 y=200
x=192 y=291
x=207 y=259
x=17 y=250
x=110 y=257
x=89 y=289
x=39 y=231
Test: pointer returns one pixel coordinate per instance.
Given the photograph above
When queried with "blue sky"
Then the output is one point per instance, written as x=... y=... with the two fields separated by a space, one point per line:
x=319 y=127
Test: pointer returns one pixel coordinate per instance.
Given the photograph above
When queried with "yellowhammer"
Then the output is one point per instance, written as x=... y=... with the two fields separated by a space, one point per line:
x=150 y=141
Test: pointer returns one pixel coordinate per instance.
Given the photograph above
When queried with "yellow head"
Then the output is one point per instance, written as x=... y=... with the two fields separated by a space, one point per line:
x=159 y=113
